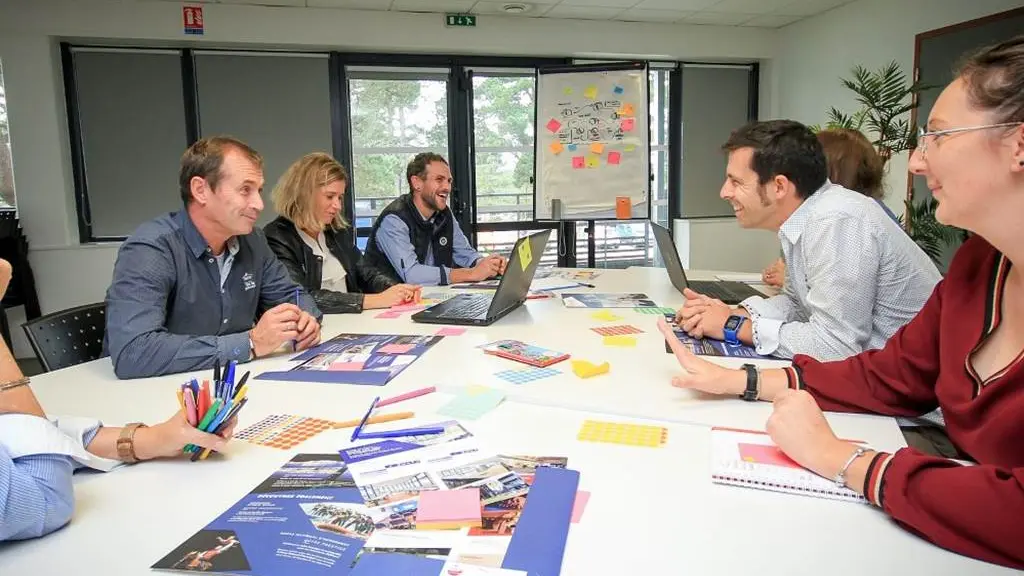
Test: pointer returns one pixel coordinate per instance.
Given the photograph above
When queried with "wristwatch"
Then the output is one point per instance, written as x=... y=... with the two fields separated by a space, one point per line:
x=732 y=329
x=126 y=442
x=753 y=389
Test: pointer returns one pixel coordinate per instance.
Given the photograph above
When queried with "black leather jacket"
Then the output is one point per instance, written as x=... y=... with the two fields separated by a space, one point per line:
x=307 y=269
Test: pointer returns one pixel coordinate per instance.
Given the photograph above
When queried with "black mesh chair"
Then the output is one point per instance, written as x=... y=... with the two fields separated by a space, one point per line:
x=68 y=337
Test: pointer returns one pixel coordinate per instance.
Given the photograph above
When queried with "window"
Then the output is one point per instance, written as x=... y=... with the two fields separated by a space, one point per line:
x=131 y=114
x=502 y=241
x=7 y=200
x=395 y=114
x=283 y=119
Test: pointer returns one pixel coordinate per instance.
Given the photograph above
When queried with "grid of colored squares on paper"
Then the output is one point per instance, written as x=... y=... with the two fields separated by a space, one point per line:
x=619 y=433
x=653 y=310
x=283 y=431
x=619 y=330
x=526 y=375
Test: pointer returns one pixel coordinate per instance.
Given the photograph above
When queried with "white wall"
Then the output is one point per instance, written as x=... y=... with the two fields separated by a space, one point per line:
x=815 y=53
x=68 y=274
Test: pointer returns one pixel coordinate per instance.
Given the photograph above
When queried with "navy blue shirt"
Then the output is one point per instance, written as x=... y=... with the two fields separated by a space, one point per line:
x=169 y=309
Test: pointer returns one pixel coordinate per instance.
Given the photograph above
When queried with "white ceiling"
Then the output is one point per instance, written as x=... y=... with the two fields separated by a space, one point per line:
x=757 y=13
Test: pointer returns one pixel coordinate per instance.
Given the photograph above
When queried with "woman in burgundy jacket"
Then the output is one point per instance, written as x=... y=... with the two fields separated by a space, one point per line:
x=963 y=353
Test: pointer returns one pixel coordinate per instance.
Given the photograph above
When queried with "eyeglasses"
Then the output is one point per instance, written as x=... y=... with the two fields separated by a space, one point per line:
x=922 y=134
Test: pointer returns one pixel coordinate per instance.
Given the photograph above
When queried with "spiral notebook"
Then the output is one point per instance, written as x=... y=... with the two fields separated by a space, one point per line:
x=750 y=459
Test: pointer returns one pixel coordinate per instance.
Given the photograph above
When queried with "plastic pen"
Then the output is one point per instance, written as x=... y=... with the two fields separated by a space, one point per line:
x=402 y=433
x=220 y=428
x=355 y=433
x=210 y=415
x=295 y=343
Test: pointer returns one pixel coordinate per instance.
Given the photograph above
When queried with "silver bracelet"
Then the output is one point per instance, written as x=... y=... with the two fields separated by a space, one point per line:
x=840 y=478
x=23 y=381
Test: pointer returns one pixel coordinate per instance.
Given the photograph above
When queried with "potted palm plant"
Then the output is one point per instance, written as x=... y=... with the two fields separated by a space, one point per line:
x=886 y=98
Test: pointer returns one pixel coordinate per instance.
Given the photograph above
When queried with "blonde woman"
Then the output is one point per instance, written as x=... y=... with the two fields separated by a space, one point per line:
x=317 y=246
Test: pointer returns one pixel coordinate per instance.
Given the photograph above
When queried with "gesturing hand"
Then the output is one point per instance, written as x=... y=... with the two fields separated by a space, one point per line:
x=700 y=374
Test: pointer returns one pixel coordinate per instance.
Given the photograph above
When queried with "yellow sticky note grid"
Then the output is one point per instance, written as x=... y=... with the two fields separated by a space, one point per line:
x=556 y=148
x=593 y=161
x=525 y=254
x=620 y=340
x=605 y=316
x=585 y=369
x=618 y=433
x=590 y=92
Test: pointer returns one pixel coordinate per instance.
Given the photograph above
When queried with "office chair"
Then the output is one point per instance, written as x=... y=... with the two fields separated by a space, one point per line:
x=68 y=337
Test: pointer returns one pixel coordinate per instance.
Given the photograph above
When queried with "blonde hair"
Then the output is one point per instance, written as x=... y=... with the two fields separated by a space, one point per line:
x=295 y=191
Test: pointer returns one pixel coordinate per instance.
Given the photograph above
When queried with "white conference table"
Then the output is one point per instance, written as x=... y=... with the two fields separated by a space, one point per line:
x=651 y=511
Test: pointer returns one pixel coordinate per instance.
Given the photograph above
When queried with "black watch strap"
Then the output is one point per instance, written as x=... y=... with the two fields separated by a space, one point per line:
x=750 y=394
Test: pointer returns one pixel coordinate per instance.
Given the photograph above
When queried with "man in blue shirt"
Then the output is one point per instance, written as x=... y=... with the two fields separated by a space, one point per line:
x=201 y=284
x=416 y=239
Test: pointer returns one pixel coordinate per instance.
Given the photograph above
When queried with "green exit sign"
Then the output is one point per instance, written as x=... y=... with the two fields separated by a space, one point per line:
x=460 y=20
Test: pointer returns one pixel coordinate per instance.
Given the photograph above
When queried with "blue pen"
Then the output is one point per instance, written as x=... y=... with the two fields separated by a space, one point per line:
x=355 y=433
x=403 y=433
x=229 y=380
x=295 y=343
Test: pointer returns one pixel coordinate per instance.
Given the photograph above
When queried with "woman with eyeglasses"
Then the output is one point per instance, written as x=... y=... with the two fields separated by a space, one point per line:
x=963 y=353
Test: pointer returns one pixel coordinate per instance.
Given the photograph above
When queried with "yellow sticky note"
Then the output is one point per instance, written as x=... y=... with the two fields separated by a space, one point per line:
x=525 y=254
x=597 y=148
x=620 y=340
x=627 y=110
x=585 y=369
x=619 y=433
x=593 y=161
x=605 y=316
x=567 y=91
x=556 y=147
x=590 y=92
x=630 y=147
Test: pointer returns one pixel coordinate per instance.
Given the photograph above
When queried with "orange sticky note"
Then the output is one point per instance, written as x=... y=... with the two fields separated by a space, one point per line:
x=556 y=147
x=628 y=124
x=623 y=209
x=614 y=158
x=577 y=162
x=597 y=148
x=627 y=110
x=593 y=161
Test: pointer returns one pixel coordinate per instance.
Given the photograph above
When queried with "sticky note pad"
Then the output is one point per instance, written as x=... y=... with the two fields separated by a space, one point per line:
x=630 y=147
x=556 y=148
x=618 y=433
x=448 y=509
x=605 y=316
x=620 y=330
x=627 y=124
x=579 y=505
x=472 y=403
x=653 y=310
x=615 y=158
x=590 y=92
x=623 y=208
x=585 y=369
x=450 y=331
x=597 y=148
x=389 y=314
x=624 y=341
x=525 y=254
x=593 y=161
x=407 y=307
x=577 y=162
x=553 y=125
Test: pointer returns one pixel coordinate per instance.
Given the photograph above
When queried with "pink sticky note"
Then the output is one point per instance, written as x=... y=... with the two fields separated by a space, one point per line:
x=553 y=125
x=628 y=124
x=577 y=162
x=346 y=367
x=580 y=504
x=449 y=508
x=614 y=157
x=389 y=314
x=407 y=307
x=396 y=348
x=450 y=331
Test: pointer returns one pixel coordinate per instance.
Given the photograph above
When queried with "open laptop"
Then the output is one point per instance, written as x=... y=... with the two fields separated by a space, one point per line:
x=728 y=292
x=486 y=309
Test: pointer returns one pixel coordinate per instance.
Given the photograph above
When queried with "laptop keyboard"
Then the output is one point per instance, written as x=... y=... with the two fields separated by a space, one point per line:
x=721 y=291
x=467 y=308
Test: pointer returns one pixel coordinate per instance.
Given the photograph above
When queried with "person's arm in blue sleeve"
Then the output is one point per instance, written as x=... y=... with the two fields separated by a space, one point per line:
x=137 y=337
x=393 y=241
x=463 y=254
x=36 y=494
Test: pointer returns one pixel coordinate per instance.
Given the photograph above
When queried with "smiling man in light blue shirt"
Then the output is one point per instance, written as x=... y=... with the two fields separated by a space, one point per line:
x=416 y=239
